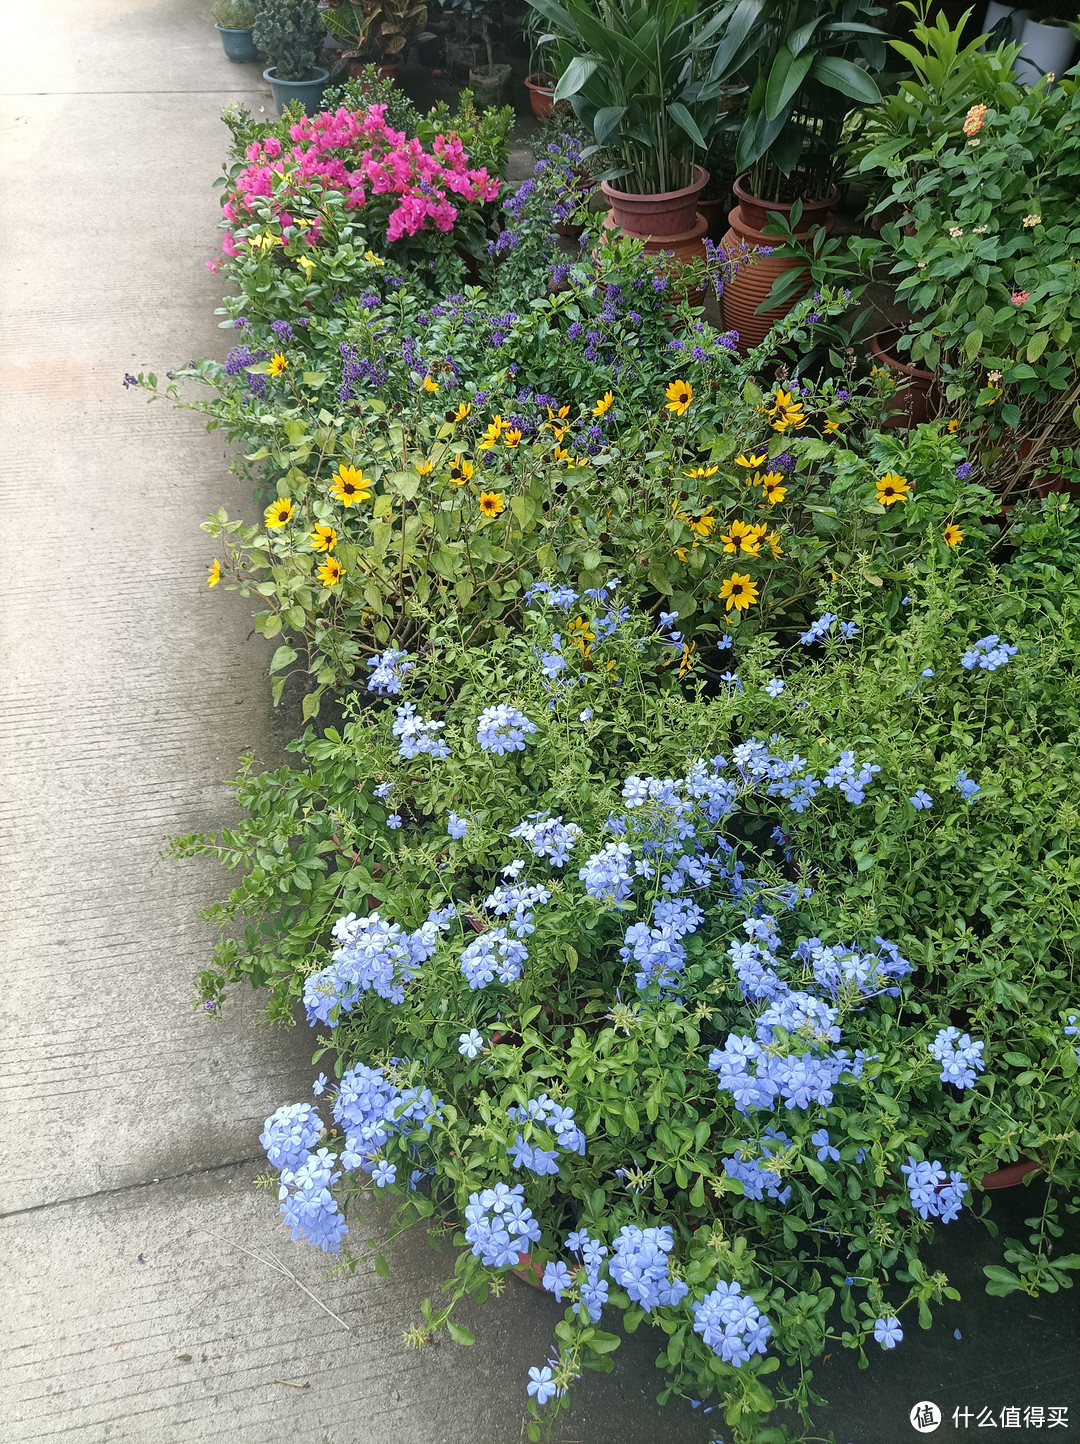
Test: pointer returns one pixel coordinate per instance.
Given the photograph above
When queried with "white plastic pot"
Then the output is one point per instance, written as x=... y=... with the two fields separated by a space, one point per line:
x=995 y=12
x=1047 y=49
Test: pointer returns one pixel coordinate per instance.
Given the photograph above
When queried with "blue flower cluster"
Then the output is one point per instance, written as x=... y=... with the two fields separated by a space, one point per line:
x=967 y=788
x=852 y=780
x=499 y=1226
x=639 y=1264
x=818 y=629
x=562 y=598
x=961 y=1060
x=559 y=1121
x=308 y=1206
x=732 y=1324
x=593 y=1293
x=289 y=1135
x=657 y=950
x=417 y=736
x=374 y=954
x=501 y=729
x=934 y=1194
x=753 y=1171
x=784 y=777
x=494 y=954
x=388 y=671
x=988 y=653
x=548 y=836
x=607 y=874
x=371 y=1110
x=456 y=826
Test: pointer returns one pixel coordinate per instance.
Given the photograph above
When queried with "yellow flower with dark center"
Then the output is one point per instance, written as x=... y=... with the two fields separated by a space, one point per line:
x=560 y=415
x=739 y=591
x=491 y=503
x=686 y=662
x=751 y=540
x=772 y=486
x=511 y=438
x=701 y=473
x=953 y=535
x=278 y=362
x=581 y=636
x=953 y=425
x=892 y=488
x=464 y=407
x=323 y=539
x=331 y=572
x=679 y=396
x=461 y=472
x=430 y=384
x=278 y=513
x=777 y=550
x=785 y=411
x=215 y=573
x=751 y=462
x=424 y=468
x=603 y=406
x=350 y=485
x=732 y=538
x=495 y=429
x=701 y=523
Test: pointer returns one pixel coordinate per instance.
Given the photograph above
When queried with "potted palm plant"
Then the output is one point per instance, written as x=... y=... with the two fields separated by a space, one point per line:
x=291 y=33
x=639 y=79
x=233 y=20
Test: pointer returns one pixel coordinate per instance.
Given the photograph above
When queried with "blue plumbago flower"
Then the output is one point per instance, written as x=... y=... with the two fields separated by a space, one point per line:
x=417 y=736
x=499 y=1226
x=559 y=1121
x=961 y=1059
x=606 y=875
x=383 y=790
x=1071 y=1029
x=725 y=642
x=848 y=630
x=553 y=662
x=318 y=1088
x=852 y=782
x=775 y=686
x=548 y=836
x=657 y=950
x=384 y=1173
x=967 y=789
x=557 y=1277
x=818 y=629
x=988 y=653
x=825 y=1150
x=639 y=1264
x=389 y=670
x=394 y=821
x=732 y=1324
x=374 y=954
x=289 y=1135
x=457 y=826
x=470 y=1044
x=888 y=1333
x=927 y=672
x=308 y=1206
x=585 y=715
x=502 y=728
x=934 y=1194
x=541 y=1385
x=494 y=954
x=921 y=801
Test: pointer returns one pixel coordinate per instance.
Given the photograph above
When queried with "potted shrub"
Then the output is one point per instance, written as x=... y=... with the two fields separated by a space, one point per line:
x=291 y=34
x=806 y=65
x=376 y=34
x=489 y=82
x=233 y=20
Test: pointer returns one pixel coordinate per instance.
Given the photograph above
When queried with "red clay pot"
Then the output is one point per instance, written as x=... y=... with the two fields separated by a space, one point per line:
x=541 y=90
x=676 y=251
x=531 y=1272
x=1010 y=1176
x=754 y=212
x=662 y=213
x=920 y=399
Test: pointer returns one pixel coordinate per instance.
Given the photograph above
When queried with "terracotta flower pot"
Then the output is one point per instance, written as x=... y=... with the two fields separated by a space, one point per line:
x=920 y=397
x=675 y=251
x=530 y=1271
x=1011 y=1176
x=751 y=284
x=541 y=90
x=661 y=213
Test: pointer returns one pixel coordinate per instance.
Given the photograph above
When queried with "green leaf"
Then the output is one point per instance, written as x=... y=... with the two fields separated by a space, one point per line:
x=1037 y=345
x=787 y=74
x=283 y=657
x=1002 y=1282
x=382 y=1268
x=846 y=77
x=311 y=704
x=460 y=1334
x=575 y=75
x=973 y=344
x=686 y=122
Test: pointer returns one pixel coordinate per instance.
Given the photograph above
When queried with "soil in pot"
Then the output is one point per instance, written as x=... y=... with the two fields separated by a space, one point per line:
x=918 y=397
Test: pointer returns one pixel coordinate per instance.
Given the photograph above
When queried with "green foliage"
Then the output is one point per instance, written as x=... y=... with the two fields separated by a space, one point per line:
x=380 y=31
x=233 y=14
x=291 y=33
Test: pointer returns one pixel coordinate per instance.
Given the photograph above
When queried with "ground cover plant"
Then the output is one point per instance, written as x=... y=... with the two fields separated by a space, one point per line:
x=684 y=889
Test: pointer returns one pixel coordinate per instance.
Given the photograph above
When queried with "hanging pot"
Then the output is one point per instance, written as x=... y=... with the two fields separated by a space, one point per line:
x=752 y=282
x=657 y=213
x=919 y=397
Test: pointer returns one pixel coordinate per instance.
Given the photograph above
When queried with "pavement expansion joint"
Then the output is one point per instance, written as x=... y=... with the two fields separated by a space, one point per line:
x=133 y=1187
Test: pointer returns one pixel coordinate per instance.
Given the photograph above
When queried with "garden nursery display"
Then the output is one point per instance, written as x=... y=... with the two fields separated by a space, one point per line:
x=677 y=860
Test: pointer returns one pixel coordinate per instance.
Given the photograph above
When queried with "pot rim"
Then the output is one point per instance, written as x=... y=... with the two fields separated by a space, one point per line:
x=319 y=78
x=539 y=79
x=879 y=343
x=816 y=203
x=651 y=197
x=233 y=29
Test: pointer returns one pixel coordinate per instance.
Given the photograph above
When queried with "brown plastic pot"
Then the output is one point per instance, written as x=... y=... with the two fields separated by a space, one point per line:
x=1011 y=1176
x=541 y=90
x=673 y=252
x=919 y=398
x=530 y=1272
x=754 y=212
x=660 y=213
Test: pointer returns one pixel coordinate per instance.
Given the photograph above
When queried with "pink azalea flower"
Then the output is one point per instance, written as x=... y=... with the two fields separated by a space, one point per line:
x=1019 y=297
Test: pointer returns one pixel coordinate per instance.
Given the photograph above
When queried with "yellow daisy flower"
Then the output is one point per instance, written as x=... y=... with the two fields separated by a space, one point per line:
x=491 y=503
x=350 y=485
x=278 y=362
x=679 y=396
x=464 y=407
x=700 y=473
x=461 y=472
x=772 y=486
x=603 y=406
x=278 y=513
x=751 y=462
x=331 y=572
x=424 y=468
x=495 y=429
x=953 y=425
x=511 y=438
x=215 y=573
x=953 y=535
x=777 y=550
x=785 y=411
x=323 y=539
x=581 y=636
x=740 y=592
x=832 y=428
x=430 y=384
x=892 y=488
